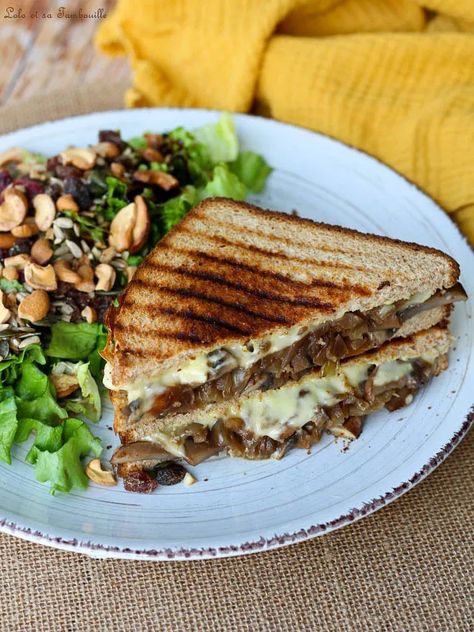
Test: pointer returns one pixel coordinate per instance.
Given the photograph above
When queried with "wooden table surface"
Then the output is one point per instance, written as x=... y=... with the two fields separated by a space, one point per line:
x=39 y=54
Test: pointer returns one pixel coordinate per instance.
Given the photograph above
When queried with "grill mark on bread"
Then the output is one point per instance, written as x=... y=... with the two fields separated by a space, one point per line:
x=239 y=265
x=221 y=280
x=188 y=314
x=131 y=328
x=275 y=238
x=247 y=311
x=270 y=254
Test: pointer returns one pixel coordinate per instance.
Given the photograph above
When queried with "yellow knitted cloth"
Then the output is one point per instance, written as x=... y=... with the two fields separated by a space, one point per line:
x=392 y=77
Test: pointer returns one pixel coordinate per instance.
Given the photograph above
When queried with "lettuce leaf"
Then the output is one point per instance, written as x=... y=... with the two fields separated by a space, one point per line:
x=10 y=286
x=251 y=169
x=73 y=341
x=220 y=139
x=36 y=397
x=11 y=367
x=46 y=437
x=63 y=467
x=175 y=209
x=224 y=183
x=89 y=404
x=8 y=424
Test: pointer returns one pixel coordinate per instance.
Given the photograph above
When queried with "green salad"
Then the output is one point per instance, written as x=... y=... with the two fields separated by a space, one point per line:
x=73 y=229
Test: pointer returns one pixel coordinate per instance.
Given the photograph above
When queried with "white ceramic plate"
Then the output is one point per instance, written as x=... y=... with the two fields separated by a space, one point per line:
x=241 y=507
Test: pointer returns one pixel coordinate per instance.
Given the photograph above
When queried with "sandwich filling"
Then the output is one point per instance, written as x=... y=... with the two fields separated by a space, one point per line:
x=233 y=370
x=267 y=424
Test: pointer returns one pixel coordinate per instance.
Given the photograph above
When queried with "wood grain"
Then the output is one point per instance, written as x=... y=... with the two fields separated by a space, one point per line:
x=39 y=54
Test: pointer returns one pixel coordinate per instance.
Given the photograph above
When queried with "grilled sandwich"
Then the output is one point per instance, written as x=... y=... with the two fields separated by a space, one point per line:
x=236 y=300
x=263 y=424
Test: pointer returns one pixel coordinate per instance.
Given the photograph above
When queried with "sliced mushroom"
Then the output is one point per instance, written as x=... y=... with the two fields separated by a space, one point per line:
x=121 y=228
x=140 y=451
x=5 y=313
x=83 y=159
x=34 y=306
x=41 y=277
x=45 y=210
x=98 y=475
x=13 y=209
x=41 y=251
x=142 y=225
x=106 y=277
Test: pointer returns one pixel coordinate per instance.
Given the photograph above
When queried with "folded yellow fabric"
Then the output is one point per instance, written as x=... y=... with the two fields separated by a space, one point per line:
x=392 y=77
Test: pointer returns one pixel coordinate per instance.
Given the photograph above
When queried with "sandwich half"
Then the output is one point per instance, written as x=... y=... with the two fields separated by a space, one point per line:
x=260 y=425
x=236 y=300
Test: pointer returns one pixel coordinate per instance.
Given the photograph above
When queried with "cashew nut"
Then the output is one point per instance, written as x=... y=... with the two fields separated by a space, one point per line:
x=130 y=272
x=10 y=273
x=83 y=159
x=13 y=210
x=121 y=228
x=41 y=277
x=5 y=313
x=17 y=261
x=89 y=314
x=117 y=169
x=6 y=240
x=35 y=306
x=67 y=203
x=65 y=273
x=106 y=277
x=41 y=251
x=14 y=154
x=107 y=255
x=45 y=210
x=64 y=384
x=24 y=231
x=96 y=474
x=106 y=150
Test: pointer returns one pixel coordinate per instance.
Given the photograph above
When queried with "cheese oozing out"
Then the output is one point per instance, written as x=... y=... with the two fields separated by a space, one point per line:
x=272 y=412
x=195 y=371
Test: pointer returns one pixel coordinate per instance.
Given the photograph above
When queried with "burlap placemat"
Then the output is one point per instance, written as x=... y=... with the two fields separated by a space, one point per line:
x=407 y=567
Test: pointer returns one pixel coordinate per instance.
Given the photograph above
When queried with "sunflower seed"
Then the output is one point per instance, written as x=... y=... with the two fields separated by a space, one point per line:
x=63 y=222
x=58 y=234
x=85 y=246
x=74 y=248
x=77 y=230
x=31 y=340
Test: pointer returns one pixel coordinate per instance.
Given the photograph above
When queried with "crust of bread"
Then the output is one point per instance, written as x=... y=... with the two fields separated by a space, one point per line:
x=436 y=339
x=230 y=272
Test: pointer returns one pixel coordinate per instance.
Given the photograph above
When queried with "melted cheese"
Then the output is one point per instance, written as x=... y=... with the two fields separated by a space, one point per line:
x=272 y=412
x=196 y=371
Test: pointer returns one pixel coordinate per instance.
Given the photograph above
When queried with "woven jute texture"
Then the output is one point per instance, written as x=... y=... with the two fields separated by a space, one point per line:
x=409 y=567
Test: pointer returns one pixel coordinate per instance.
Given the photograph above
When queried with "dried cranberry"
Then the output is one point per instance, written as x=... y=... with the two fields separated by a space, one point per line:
x=5 y=179
x=141 y=482
x=79 y=191
x=52 y=163
x=169 y=474
x=53 y=189
x=68 y=171
x=32 y=187
x=21 y=246
x=111 y=136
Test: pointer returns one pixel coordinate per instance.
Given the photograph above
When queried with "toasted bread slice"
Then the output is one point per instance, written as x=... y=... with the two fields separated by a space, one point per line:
x=233 y=273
